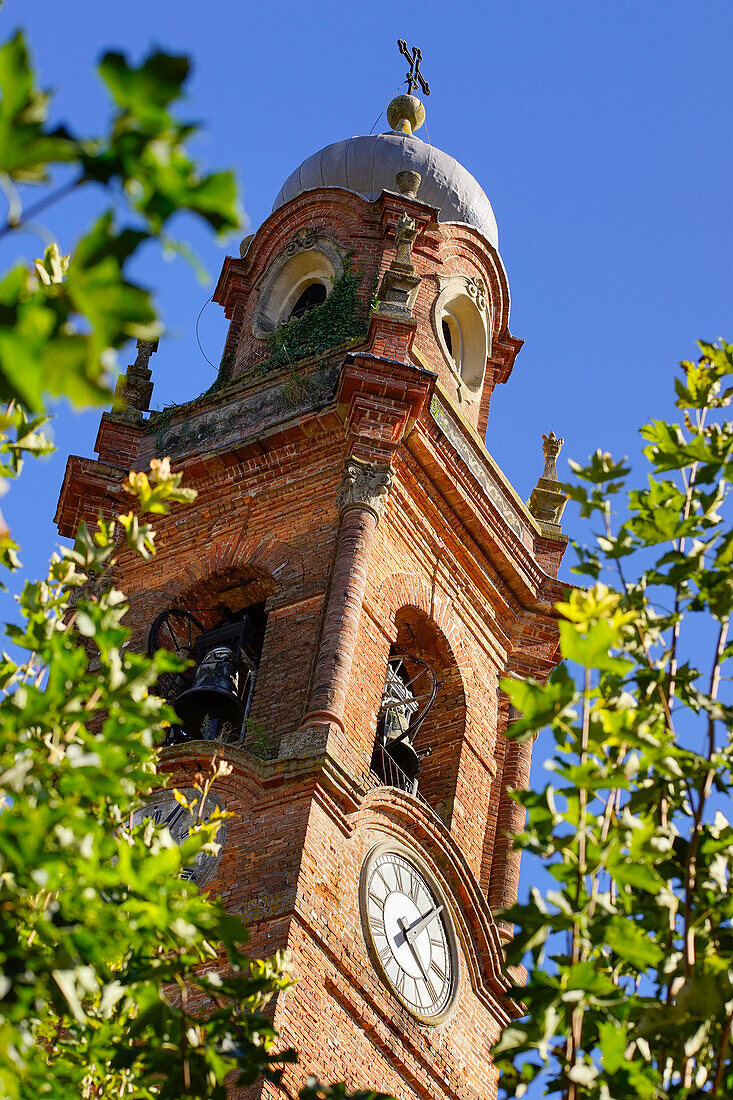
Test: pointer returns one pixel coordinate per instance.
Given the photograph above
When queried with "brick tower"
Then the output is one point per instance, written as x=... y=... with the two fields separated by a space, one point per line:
x=353 y=581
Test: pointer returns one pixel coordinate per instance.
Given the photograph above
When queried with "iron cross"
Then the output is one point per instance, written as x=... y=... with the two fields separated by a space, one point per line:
x=414 y=77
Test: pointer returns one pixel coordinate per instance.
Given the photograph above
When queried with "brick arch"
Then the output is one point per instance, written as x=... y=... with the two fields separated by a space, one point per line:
x=461 y=244
x=266 y=554
x=400 y=590
x=332 y=209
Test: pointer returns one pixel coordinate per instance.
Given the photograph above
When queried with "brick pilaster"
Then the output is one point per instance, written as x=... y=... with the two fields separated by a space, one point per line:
x=341 y=621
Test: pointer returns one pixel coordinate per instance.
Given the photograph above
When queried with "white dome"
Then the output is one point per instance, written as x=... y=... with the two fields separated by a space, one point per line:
x=369 y=165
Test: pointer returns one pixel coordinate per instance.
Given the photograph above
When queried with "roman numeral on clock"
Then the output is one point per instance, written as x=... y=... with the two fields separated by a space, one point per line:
x=432 y=991
x=385 y=954
x=440 y=973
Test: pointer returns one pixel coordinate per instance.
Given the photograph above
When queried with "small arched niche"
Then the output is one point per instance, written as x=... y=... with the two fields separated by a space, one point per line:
x=299 y=279
x=461 y=325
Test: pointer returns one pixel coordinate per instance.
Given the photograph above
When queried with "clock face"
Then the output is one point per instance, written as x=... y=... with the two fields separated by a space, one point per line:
x=163 y=809
x=408 y=929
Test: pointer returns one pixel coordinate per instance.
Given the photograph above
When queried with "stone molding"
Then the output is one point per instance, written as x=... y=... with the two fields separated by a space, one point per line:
x=364 y=485
x=464 y=450
x=311 y=254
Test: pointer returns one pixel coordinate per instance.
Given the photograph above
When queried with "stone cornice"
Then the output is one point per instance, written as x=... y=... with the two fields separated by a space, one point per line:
x=512 y=555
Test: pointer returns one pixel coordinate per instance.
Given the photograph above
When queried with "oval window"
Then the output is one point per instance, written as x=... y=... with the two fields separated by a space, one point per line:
x=462 y=334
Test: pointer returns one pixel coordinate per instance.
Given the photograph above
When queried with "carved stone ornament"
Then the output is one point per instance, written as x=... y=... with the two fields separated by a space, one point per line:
x=408 y=183
x=474 y=286
x=548 y=501
x=134 y=388
x=551 y=447
x=364 y=485
x=304 y=238
x=405 y=235
x=477 y=290
x=399 y=286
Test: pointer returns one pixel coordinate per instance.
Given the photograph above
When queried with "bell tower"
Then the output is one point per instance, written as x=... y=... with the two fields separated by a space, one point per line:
x=354 y=579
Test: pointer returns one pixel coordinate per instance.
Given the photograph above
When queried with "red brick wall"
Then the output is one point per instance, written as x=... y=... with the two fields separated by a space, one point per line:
x=367 y=231
x=444 y=576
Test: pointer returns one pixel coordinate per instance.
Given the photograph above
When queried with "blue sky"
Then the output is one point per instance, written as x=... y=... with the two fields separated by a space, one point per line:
x=600 y=132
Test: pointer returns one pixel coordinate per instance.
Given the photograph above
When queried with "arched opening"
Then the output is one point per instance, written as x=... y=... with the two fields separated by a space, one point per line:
x=422 y=715
x=220 y=627
x=296 y=283
x=461 y=330
x=314 y=295
x=449 y=328
x=409 y=693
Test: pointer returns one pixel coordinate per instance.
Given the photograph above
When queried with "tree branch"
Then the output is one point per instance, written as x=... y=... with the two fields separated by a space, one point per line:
x=42 y=204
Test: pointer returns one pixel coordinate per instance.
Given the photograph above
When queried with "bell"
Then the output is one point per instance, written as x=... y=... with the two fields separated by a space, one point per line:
x=213 y=696
x=405 y=757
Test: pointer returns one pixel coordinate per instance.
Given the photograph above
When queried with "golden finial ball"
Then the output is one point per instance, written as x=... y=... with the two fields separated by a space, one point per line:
x=406 y=113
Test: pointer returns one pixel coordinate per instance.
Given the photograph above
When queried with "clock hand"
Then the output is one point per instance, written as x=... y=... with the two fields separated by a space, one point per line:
x=414 y=931
x=416 y=957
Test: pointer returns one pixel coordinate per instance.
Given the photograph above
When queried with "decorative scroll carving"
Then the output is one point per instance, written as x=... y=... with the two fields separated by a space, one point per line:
x=302 y=239
x=364 y=485
x=463 y=447
x=474 y=286
x=477 y=290
x=548 y=501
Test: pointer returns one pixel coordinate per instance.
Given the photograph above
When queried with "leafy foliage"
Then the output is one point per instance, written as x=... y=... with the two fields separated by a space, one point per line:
x=630 y=992
x=343 y=318
x=104 y=948
x=63 y=319
x=117 y=978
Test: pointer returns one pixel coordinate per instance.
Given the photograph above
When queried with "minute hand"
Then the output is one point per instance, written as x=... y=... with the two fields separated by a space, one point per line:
x=414 y=930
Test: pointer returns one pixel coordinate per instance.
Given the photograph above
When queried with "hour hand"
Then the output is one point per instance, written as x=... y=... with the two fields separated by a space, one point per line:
x=415 y=955
x=414 y=930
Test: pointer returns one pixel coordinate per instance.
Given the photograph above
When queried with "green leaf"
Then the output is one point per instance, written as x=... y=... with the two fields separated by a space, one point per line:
x=633 y=943
x=540 y=704
x=27 y=147
x=592 y=648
